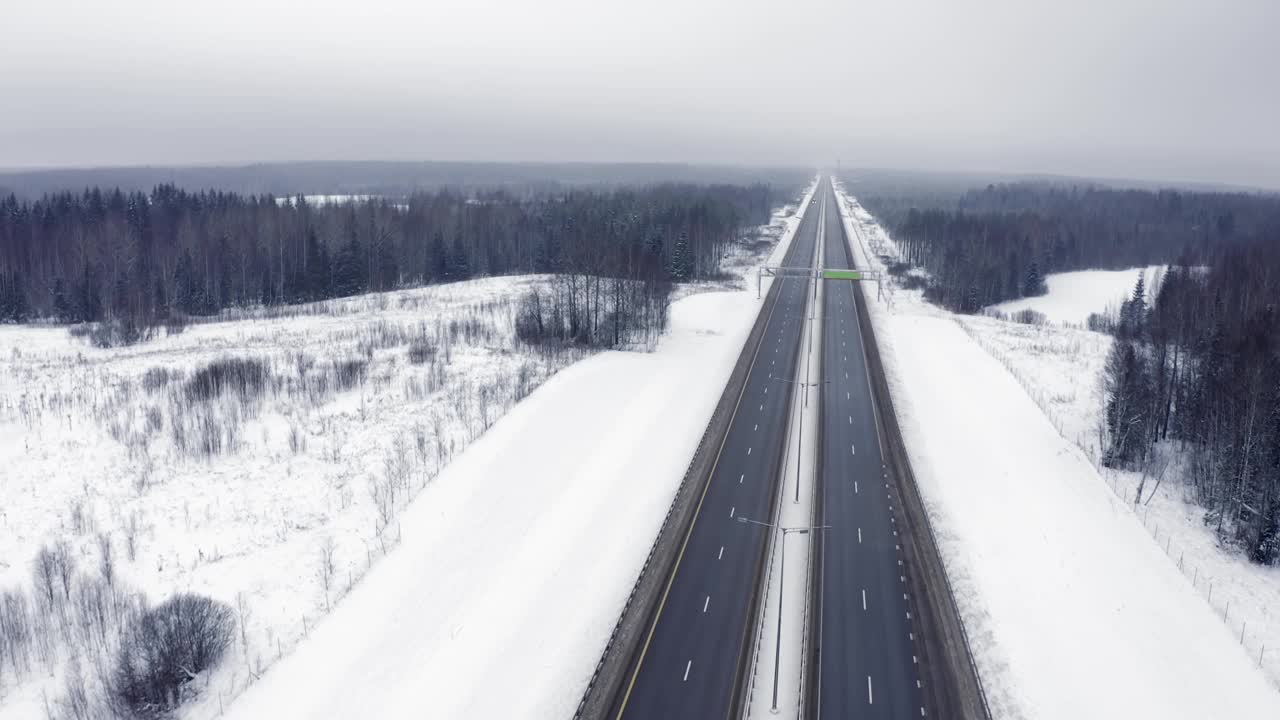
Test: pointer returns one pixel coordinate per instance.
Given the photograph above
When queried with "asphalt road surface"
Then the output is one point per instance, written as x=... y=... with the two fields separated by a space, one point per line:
x=866 y=664
x=689 y=661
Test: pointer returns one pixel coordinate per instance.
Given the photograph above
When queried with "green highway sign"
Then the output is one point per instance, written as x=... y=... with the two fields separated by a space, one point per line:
x=841 y=275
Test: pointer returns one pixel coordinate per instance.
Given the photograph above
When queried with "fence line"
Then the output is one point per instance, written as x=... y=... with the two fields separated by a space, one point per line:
x=1269 y=663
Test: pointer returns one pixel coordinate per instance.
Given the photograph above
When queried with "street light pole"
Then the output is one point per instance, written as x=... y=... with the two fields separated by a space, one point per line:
x=782 y=575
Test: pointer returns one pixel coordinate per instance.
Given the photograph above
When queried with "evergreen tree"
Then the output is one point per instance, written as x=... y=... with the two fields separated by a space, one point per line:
x=62 y=306
x=1035 y=284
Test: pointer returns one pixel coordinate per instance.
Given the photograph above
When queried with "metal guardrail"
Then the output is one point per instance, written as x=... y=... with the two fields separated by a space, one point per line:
x=638 y=609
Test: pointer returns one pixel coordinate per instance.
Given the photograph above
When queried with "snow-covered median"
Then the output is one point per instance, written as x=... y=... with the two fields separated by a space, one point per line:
x=1073 y=610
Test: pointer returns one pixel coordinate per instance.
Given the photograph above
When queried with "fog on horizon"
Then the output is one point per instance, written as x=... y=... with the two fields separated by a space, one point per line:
x=1165 y=90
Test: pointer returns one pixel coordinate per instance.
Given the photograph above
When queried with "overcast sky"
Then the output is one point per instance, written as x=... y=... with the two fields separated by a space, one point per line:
x=1160 y=89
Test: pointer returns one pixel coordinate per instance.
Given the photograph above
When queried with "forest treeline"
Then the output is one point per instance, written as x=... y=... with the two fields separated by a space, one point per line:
x=1196 y=360
x=141 y=260
x=997 y=243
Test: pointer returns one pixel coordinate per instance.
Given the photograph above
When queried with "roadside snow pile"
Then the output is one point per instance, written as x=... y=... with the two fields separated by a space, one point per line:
x=1073 y=296
x=1073 y=610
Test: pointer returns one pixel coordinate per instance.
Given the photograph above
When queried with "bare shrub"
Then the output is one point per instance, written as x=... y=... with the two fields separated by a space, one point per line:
x=421 y=351
x=297 y=439
x=165 y=648
x=106 y=558
x=349 y=373
x=131 y=537
x=157 y=378
x=15 y=630
x=1027 y=316
x=52 y=576
x=327 y=569
x=244 y=378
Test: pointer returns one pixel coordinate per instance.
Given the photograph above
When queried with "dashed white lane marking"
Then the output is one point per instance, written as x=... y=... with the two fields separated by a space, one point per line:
x=864 y=600
x=762 y=406
x=756 y=428
x=730 y=512
x=720 y=554
x=748 y=451
x=854 y=451
x=690 y=664
x=707 y=602
x=870 y=698
x=855 y=487
x=850 y=419
x=742 y=477
x=859 y=535
x=847 y=396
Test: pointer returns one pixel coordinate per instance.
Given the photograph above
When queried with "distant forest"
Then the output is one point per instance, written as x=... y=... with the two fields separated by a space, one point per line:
x=1196 y=358
x=142 y=260
x=989 y=245
x=391 y=179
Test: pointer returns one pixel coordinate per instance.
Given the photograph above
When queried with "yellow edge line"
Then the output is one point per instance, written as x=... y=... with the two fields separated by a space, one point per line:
x=697 y=513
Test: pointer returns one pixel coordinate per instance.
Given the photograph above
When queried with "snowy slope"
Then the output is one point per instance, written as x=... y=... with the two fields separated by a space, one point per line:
x=1073 y=296
x=1073 y=610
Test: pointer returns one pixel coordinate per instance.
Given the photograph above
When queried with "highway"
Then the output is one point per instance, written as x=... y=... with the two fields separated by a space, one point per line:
x=866 y=661
x=690 y=661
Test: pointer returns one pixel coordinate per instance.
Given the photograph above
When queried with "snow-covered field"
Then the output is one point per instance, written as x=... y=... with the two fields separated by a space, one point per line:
x=1073 y=607
x=1073 y=296
x=352 y=407
x=341 y=441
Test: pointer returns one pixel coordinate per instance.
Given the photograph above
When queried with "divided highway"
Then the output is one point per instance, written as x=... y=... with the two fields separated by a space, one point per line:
x=866 y=662
x=690 y=660
x=886 y=641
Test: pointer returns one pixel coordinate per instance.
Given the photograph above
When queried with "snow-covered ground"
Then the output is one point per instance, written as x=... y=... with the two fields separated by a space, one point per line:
x=345 y=442
x=1073 y=296
x=1074 y=609
x=515 y=563
x=355 y=407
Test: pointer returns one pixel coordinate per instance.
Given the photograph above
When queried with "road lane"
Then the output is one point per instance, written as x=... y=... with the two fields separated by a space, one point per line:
x=689 y=663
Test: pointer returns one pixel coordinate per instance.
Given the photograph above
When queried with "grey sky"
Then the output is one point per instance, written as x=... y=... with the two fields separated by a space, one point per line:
x=1170 y=89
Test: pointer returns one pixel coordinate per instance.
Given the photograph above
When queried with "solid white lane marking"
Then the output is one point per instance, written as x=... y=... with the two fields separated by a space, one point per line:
x=870 y=697
x=721 y=553
x=706 y=603
x=689 y=665
x=864 y=599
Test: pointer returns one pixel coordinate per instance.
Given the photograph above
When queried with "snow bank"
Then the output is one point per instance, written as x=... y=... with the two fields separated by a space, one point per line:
x=1073 y=296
